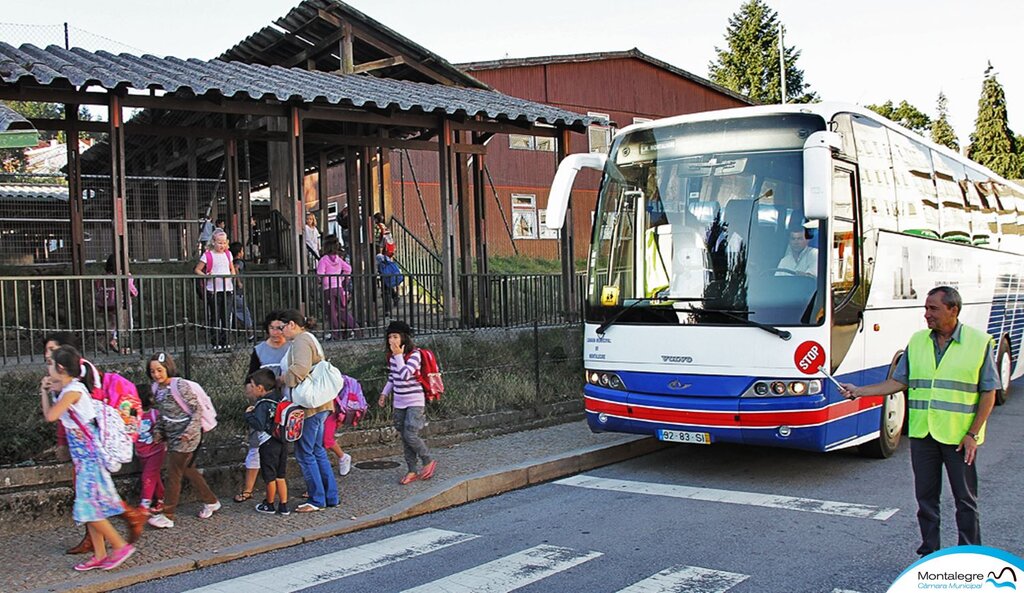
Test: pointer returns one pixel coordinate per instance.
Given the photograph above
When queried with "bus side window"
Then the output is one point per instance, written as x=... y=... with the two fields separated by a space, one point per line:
x=843 y=256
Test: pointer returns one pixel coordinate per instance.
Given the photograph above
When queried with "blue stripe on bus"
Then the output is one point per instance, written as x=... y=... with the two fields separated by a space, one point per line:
x=712 y=398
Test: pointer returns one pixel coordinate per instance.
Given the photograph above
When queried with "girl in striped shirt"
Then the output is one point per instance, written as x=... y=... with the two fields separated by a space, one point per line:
x=409 y=401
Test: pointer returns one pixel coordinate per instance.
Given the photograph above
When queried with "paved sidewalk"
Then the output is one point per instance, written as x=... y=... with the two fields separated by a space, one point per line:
x=34 y=559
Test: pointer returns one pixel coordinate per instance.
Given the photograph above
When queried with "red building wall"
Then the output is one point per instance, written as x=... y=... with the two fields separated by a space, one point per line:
x=622 y=88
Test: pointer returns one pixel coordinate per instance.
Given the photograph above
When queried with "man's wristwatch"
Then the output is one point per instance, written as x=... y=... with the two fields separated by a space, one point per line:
x=972 y=435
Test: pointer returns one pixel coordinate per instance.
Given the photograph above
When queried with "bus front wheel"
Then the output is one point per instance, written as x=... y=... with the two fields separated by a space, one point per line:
x=1004 y=367
x=894 y=412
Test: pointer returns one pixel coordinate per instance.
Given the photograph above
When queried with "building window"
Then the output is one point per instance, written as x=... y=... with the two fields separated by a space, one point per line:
x=524 y=216
x=600 y=136
x=521 y=142
x=642 y=120
x=545 y=144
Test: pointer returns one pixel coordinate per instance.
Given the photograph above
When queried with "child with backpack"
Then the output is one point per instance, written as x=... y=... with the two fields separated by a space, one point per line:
x=409 y=399
x=180 y=423
x=218 y=265
x=261 y=391
x=96 y=498
x=151 y=455
x=349 y=407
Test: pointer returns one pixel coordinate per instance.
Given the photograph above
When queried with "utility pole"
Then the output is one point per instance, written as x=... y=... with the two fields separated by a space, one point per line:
x=782 y=64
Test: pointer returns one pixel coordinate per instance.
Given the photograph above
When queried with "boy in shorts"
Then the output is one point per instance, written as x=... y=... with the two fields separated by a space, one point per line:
x=261 y=391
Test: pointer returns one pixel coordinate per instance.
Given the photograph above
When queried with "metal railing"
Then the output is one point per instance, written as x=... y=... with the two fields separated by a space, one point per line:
x=178 y=313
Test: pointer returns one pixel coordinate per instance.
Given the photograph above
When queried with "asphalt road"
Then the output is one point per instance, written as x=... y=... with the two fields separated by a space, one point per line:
x=688 y=519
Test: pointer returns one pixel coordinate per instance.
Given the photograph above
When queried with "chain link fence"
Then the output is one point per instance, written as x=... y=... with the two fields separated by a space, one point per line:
x=484 y=370
x=64 y=35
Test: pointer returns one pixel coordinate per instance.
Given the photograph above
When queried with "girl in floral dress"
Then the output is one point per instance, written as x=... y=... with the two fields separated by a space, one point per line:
x=95 y=495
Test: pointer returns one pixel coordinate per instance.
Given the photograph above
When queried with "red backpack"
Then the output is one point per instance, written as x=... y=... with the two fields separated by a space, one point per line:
x=429 y=375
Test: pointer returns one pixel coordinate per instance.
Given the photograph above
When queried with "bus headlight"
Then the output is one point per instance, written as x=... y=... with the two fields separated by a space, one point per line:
x=603 y=379
x=784 y=387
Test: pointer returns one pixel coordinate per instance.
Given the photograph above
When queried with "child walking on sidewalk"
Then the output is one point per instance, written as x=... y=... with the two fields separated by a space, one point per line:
x=403 y=360
x=261 y=390
x=151 y=455
x=95 y=495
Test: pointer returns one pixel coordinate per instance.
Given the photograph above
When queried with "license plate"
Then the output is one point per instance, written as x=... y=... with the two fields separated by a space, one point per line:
x=685 y=436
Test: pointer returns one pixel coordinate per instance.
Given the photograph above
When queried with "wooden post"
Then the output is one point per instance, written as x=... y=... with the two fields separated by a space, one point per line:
x=192 y=207
x=480 y=221
x=567 y=251
x=75 y=203
x=345 y=49
x=465 y=256
x=355 y=247
x=322 y=191
x=444 y=177
x=231 y=171
x=297 y=209
x=118 y=183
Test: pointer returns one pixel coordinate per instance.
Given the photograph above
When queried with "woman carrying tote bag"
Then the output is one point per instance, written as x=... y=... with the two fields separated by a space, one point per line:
x=304 y=354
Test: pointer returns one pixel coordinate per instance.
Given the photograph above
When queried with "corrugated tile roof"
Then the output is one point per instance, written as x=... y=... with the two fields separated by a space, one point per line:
x=57 y=67
x=33 y=193
x=12 y=120
x=312 y=26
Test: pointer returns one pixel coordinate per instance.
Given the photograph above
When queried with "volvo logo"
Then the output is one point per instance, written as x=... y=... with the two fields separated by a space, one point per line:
x=678 y=385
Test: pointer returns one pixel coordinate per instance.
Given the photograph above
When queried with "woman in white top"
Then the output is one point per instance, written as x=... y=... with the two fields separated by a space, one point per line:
x=96 y=499
x=218 y=265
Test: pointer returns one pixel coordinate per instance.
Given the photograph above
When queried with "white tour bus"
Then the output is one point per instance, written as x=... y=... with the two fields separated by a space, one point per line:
x=740 y=257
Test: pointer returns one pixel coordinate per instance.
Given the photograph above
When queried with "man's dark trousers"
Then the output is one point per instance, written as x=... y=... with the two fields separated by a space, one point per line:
x=927 y=457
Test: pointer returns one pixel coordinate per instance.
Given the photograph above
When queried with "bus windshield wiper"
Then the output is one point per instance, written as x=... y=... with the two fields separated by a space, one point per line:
x=611 y=320
x=785 y=335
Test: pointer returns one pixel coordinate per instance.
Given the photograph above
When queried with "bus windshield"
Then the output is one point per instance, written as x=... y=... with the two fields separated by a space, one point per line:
x=702 y=223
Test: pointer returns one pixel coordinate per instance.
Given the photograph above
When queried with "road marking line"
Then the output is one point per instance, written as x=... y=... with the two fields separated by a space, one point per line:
x=509 y=573
x=687 y=579
x=808 y=505
x=844 y=591
x=323 y=569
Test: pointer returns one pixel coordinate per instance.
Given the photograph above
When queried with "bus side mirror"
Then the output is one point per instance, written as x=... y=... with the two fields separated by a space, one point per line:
x=818 y=174
x=561 y=187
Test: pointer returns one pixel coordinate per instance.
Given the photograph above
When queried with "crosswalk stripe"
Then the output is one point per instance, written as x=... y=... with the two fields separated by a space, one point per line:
x=509 y=573
x=322 y=569
x=687 y=579
x=809 y=505
x=844 y=591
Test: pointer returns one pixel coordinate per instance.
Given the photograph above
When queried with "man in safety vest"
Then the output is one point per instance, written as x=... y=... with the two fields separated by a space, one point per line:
x=950 y=374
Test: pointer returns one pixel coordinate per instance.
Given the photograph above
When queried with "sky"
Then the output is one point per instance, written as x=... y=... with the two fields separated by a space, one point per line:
x=863 y=52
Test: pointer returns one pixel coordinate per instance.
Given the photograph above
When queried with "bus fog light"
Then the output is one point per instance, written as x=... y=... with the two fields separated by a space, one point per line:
x=602 y=418
x=604 y=379
x=615 y=382
x=784 y=431
x=593 y=378
x=761 y=388
x=814 y=387
x=798 y=388
x=778 y=388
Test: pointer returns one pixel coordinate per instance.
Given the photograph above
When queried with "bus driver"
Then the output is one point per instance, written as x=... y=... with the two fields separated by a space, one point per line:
x=800 y=259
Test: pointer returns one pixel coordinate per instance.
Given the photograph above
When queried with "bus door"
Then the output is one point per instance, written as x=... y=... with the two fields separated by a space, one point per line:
x=849 y=295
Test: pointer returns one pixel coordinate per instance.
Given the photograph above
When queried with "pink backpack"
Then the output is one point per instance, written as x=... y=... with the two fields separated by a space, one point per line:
x=122 y=395
x=350 y=402
x=207 y=413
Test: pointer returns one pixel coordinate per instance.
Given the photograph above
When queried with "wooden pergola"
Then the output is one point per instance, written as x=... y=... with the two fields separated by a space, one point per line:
x=309 y=120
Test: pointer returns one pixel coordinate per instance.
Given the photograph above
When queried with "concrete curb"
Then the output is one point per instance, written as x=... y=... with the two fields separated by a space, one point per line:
x=447 y=494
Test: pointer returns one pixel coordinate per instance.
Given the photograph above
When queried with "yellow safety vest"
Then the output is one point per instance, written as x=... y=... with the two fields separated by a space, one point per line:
x=943 y=401
x=655 y=270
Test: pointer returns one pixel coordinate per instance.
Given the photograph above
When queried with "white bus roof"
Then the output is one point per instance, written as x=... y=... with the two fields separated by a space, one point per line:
x=827 y=110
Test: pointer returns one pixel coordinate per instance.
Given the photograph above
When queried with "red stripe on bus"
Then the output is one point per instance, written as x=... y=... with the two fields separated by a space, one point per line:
x=728 y=419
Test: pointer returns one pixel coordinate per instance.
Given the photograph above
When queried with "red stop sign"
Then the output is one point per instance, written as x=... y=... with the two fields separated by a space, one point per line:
x=809 y=357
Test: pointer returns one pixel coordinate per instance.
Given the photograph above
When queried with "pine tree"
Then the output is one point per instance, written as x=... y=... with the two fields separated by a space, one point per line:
x=942 y=131
x=992 y=143
x=750 y=65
